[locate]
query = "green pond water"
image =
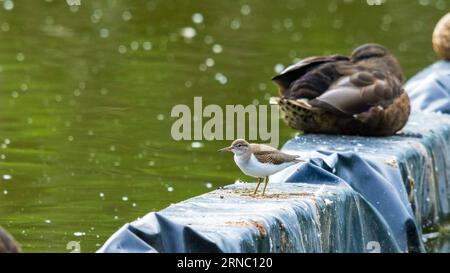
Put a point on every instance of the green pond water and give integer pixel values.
(86, 94)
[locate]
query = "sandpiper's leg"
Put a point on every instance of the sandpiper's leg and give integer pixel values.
(265, 185)
(257, 186)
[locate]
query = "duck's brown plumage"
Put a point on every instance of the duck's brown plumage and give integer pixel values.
(7, 243)
(340, 95)
(441, 37)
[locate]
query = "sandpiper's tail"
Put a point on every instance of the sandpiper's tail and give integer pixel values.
(298, 159)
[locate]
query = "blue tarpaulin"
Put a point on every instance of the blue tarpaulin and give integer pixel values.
(429, 90)
(356, 194)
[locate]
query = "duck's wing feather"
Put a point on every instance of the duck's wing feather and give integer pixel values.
(356, 93)
(295, 71)
(318, 80)
(276, 158)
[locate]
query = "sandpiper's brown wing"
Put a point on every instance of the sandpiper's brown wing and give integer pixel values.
(262, 147)
(359, 92)
(276, 158)
(296, 71)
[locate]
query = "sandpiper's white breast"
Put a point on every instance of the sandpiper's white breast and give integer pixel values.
(252, 167)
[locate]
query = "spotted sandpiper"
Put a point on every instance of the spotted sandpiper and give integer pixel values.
(259, 160)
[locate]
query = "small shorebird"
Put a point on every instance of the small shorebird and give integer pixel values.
(259, 160)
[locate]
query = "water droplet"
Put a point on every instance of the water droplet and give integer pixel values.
(126, 15)
(5, 192)
(124, 198)
(197, 145)
(24, 87)
(188, 32)
(102, 195)
(208, 40)
(245, 10)
(217, 48)
(8, 4)
(7, 141)
(160, 117)
(20, 57)
(221, 78)
(147, 46)
(278, 68)
(235, 24)
(209, 185)
(170, 189)
(134, 204)
(48, 221)
(197, 18)
(79, 233)
(210, 62)
(440, 5)
(122, 49)
(7, 177)
(104, 33)
(96, 16)
(134, 45)
(202, 67)
(5, 27)
(112, 148)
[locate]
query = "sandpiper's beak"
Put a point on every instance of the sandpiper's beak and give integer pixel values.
(226, 149)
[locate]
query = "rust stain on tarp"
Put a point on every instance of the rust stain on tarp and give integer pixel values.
(250, 223)
(246, 192)
(392, 162)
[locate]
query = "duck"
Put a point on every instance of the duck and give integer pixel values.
(7, 243)
(357, 95)
(441, 38)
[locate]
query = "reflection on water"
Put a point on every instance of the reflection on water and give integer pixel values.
(86, 94)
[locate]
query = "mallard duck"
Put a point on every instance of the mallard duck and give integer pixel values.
(441, 38)
(336, 94)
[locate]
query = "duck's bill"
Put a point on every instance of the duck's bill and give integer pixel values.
(226, 149)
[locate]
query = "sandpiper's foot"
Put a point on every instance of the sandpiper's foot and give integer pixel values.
(265, 185)
(257, 186)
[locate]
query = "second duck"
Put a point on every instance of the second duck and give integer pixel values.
(361, 94)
